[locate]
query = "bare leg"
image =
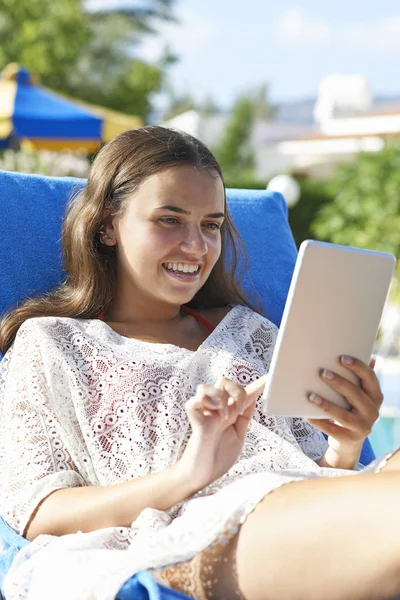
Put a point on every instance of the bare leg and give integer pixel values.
(393, 463)
(323, 538)
(336, 539)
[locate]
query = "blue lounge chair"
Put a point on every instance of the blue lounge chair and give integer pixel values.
(32, 208)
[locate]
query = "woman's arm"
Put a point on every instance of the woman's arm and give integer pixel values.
(43, 489)
(334, 460)
(89, 508)
(219, 417)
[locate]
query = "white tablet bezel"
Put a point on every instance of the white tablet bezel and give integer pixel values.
(334, 306)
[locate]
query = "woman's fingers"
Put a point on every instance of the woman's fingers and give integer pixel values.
(227, 398)
(210, 400)
(256, 388)
(365, 400)
(354, 422)
(341, 434)
(243, 398)
(360, 401)
(368, 379)
(236, 402)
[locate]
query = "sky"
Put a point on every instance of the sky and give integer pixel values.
(227, 47)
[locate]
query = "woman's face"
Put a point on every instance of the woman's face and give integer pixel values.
(169, 239)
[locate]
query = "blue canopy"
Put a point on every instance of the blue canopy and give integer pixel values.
(31, 112)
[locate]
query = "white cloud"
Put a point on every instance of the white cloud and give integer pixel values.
(296, 29)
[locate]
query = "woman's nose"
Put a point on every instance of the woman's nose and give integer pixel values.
(194, 242)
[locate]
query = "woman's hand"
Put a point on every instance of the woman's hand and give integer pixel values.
(219, 416)
(349, 428)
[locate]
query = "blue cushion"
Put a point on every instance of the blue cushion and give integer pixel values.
(143, 587)
(32, 209)
(261, 218)
(10, 544)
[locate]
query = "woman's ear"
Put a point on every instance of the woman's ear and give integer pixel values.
(107, 231)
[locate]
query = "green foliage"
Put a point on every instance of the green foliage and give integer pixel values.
(244, 182)
(314, 196)
(42, 35)
(365, 211)
(263, 109)
(235, 153)
(87, 55)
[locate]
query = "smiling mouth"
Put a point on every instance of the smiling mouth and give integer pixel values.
(182, 275)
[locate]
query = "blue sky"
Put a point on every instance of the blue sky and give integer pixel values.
(227, 47)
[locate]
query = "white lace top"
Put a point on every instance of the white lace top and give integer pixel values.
(82, 405)
(86, 406)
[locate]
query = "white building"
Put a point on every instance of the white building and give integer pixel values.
(346, 124)
(339, 140)
(342, 96)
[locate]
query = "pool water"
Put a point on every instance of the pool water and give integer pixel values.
(385, 435)
(386, 432)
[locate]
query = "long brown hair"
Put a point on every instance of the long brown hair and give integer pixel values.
(117, 171)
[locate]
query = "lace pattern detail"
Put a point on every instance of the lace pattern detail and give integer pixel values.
(83, 405)
(209, 575)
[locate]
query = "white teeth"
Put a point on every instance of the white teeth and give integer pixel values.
(184, 268)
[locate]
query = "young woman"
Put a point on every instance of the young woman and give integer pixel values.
(130, 414)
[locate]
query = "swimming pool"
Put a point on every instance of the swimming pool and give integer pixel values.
(386, 432)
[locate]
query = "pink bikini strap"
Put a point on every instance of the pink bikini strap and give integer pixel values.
(199, 318)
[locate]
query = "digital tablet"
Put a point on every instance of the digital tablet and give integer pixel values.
(334, 306)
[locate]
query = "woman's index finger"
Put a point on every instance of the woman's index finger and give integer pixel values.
(255, 388)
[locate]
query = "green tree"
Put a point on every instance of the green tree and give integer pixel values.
(314, 196)
(44, 36)
(263, 109)
(365, 210)
(89, 55)
(235, 152)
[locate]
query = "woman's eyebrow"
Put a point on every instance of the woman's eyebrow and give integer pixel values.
(182, 211)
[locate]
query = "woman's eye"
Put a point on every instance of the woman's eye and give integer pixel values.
(213, 226)
(169, 220)
(174, 221)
